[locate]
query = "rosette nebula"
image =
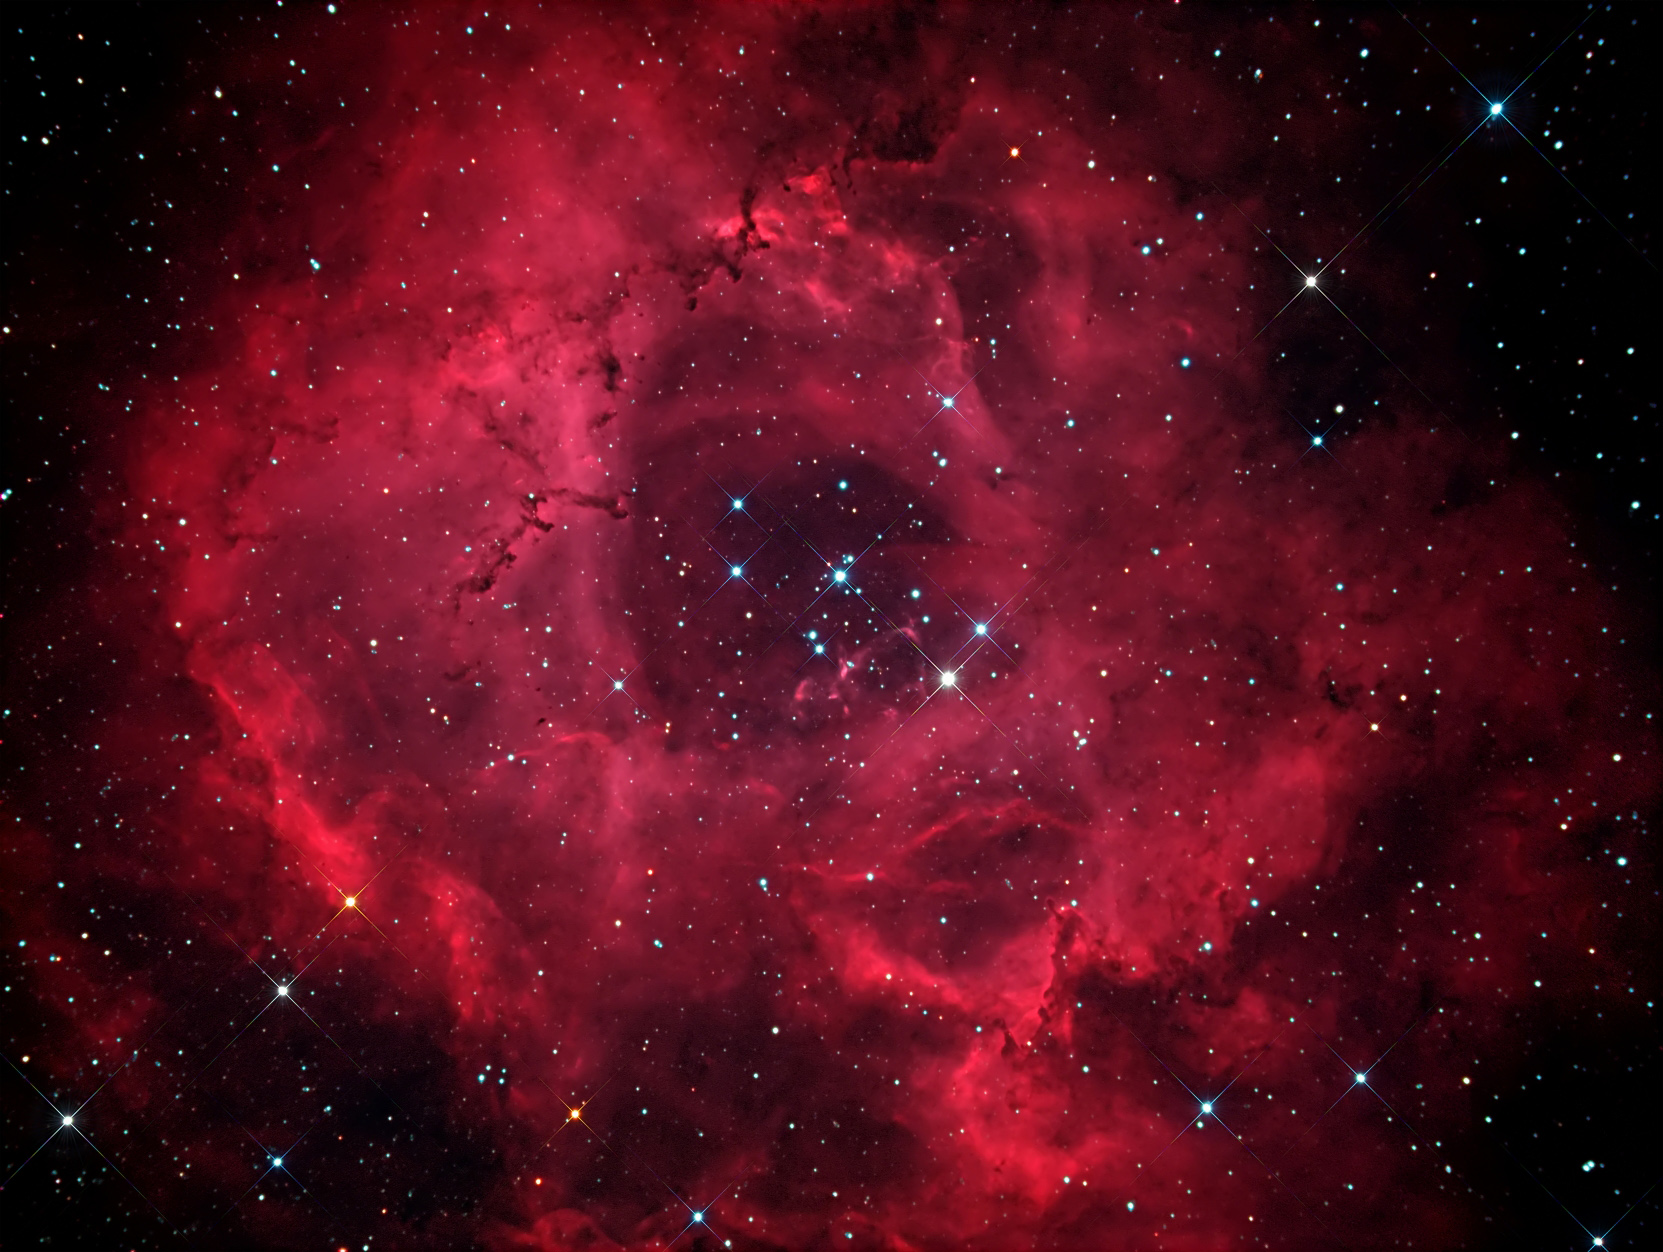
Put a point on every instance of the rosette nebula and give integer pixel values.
(790, 627)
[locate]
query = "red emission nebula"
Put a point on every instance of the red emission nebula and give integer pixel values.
(741, 647)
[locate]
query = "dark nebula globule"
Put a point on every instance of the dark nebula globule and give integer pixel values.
(791, 627)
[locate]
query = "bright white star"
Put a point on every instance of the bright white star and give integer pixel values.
(1495, 111)
(1310, 280)
(69, 1121)
(946, 402)
(1362, 1077)
(1316, 441)
(1207, 1108)
(698, 1217)
(277, 1162)
(617, 684)
(839, 576)
(948, 678)
(282, 990)
(738, 504)
(738, 571)
(981, 628)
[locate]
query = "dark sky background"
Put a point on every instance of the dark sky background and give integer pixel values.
(807, 627)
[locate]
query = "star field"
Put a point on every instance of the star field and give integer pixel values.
(830, 627)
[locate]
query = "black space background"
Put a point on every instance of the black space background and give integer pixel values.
(87, 301)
